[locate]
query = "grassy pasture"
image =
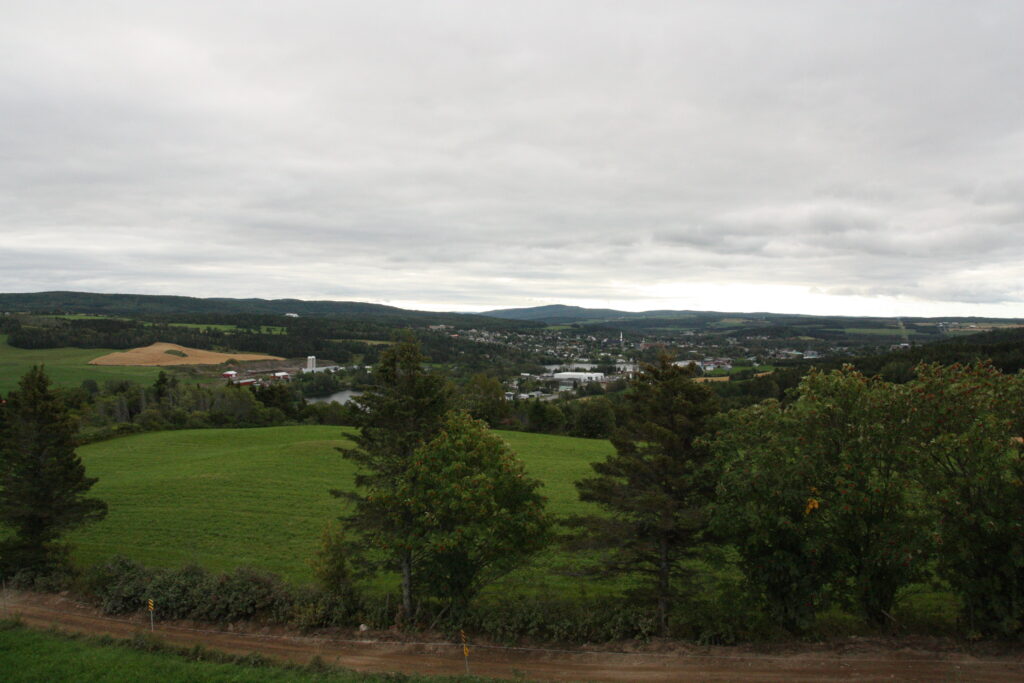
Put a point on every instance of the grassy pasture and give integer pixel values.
(264, 329)
(879, 331)
(66, 366)
(369, 342)
(223, 498)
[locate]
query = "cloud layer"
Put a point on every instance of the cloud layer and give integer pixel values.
(797, 156)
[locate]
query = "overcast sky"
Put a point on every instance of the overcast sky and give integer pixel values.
(851, 157)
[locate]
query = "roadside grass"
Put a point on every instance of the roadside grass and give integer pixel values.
(28, 655)
(67, 367)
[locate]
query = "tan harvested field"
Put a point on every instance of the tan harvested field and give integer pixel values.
(157, 354)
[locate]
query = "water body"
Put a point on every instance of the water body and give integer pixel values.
(341, 397)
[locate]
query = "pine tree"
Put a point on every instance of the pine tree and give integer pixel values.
(401, 412)
(657, 487)
(42, 480)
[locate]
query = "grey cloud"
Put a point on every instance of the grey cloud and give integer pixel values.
(517, 152)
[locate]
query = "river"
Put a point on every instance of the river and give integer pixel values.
(341, 397)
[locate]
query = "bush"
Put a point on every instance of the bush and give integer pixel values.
(122, 586)
(181, 593)
(571, 621)
(247, 594)
(316, 609)
(119, 586)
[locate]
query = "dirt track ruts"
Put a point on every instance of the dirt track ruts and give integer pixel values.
(849, 661)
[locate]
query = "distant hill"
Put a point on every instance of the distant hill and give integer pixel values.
(160, 305)
(557, 313)
(740, 323)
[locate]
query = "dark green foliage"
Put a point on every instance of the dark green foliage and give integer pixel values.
(545, 417)
(657, 486)
(593, 418)
(43, 485)
(475, 514)
(280, 395)
(859, 487)
(972, 417)
(121, 586)
(397, 415)
(484, 398)
(332, 565)
(821, 494)
(554, 619)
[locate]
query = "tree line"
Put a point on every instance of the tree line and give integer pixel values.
(848, 493)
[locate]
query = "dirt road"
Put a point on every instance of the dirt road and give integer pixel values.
(851, 660)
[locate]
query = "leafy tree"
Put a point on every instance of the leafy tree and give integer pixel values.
(42, 480)
(971, 420)
(281, 396)
(823, 491)
(484, 398)
(474, 513)
(593, 418)
(544, 416)
(656, 487)
(401, 412)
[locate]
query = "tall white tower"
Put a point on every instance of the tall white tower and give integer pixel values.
(310, 363)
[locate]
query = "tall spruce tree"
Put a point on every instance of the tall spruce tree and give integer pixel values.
(656, 488)
(42, 480)
(401, 412)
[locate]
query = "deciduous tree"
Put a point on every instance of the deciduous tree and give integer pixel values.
(465, 510)
(823, 493)
(971, 420)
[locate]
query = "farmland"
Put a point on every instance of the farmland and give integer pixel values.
(160, 354)
(65, 366)
(223, 498)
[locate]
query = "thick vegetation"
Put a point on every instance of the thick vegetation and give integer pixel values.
(845, 496)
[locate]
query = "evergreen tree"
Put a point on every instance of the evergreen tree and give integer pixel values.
(396, 416)
(42, 480)
(656, 488)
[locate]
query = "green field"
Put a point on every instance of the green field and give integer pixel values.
(34, 656)
(736, 369)
(879, 331)
(264, 329)
(65, 366)
(223, 498)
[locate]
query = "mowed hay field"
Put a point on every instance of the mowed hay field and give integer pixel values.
(67, 367)
(162, 353)
(223, 498)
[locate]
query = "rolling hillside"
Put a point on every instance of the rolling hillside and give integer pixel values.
(223, 498)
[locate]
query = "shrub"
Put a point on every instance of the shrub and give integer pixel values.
(119, 585)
